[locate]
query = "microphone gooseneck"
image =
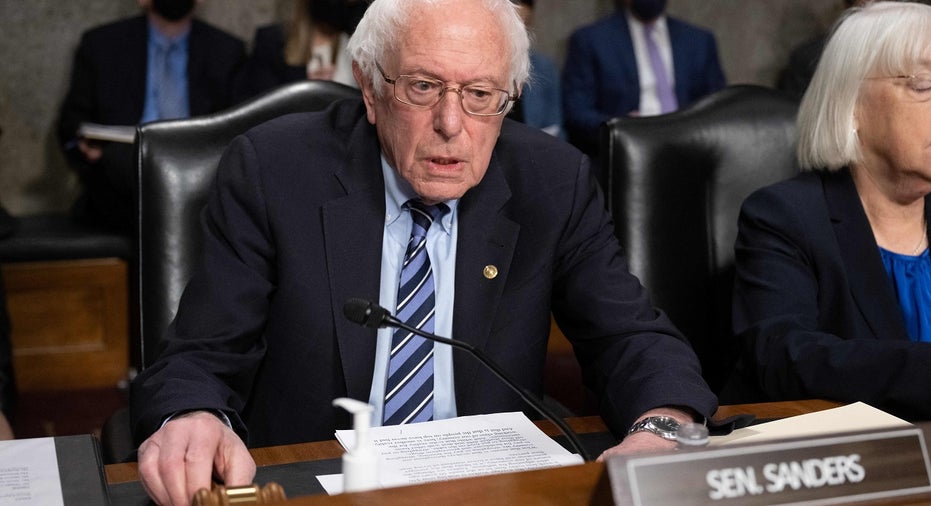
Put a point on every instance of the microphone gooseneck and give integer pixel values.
(369, 314)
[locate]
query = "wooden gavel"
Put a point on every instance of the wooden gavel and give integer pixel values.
(219, 495)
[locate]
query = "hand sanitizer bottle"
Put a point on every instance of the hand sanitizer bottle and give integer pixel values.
(360, 464)
(692, 435)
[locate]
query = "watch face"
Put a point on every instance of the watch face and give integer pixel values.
(665, 424)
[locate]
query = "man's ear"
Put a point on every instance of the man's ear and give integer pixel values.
(368, 91)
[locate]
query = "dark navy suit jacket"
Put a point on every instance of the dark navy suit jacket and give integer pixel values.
(814, 306)
(600, 78)
(294, 227)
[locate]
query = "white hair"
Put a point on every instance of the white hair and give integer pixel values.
(379, 34)
(881, 39)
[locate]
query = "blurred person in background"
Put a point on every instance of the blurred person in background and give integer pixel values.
(310, 45)
(636, 62)
(795, 77)
(540, 103)
(163, 64)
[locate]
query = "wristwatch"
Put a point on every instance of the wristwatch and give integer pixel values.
(663, 426)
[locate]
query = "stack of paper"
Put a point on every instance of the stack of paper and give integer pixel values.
(110, 133)
(853, 417)
(457, 448)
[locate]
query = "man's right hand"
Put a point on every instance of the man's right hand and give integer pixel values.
(92, 152)
(180, 458)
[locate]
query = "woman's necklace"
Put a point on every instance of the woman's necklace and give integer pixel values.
(924, 236)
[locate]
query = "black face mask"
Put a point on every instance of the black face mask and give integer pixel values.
(172, 10)
(647, 10)
(333, 13)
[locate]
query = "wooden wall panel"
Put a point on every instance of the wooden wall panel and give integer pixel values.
(70, 323)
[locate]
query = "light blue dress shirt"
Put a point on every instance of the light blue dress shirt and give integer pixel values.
(178, 62)
(441, 248)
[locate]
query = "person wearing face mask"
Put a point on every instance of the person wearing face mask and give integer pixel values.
(636, 62)
(163, 64)
(310, 45)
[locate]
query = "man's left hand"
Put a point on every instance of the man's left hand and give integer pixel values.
(647, 442)
(639, 442)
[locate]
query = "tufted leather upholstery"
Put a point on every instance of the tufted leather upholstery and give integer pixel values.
(176, 163)
(674, 185)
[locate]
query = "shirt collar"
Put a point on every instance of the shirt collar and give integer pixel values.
(161, 40)
(398, 191)
(659, 24)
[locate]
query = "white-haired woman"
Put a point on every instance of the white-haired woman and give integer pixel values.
(833, 291)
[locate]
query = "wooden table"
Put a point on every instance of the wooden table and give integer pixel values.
(575, 485)
(581, 484)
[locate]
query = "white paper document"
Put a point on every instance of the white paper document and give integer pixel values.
(111, 133)
(857, 416)
(29, 472)
(457, 448)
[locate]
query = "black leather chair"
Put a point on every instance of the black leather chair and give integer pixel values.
(675, 183)
(176, 163)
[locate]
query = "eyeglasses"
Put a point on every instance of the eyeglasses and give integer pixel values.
(919, 85)
(420, 91)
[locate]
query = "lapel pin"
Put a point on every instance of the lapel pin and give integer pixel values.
(490, 272)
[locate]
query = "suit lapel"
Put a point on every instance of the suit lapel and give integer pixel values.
(353, 227)
(679, 45)
(199, 99)
(138, 46)
(869, 283)
(487, 239)
(353, 230)
(626, 55)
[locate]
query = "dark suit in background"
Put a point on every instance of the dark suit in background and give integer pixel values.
(294, 228)
(108, 86)
(803, 60)
(814, 306)
(600, 78)
(266, 68)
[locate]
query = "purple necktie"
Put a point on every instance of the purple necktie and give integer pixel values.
(667, 99)
(409, 389)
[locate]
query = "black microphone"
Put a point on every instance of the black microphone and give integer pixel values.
(369, 314)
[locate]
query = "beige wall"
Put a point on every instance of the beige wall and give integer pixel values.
(39, 37)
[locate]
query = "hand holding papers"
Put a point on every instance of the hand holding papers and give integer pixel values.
(458, 448)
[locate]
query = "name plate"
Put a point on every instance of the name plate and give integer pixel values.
(825, 470)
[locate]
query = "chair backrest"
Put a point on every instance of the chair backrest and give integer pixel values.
(675, 184)
(176, 163)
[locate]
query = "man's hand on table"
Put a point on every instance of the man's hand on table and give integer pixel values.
(647, 442)
(181, 457)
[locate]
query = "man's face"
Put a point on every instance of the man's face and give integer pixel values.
(442, 151)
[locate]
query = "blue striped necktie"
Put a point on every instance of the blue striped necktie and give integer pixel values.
(409, 389)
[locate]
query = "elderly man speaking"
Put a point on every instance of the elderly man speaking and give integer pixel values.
(423, 197)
